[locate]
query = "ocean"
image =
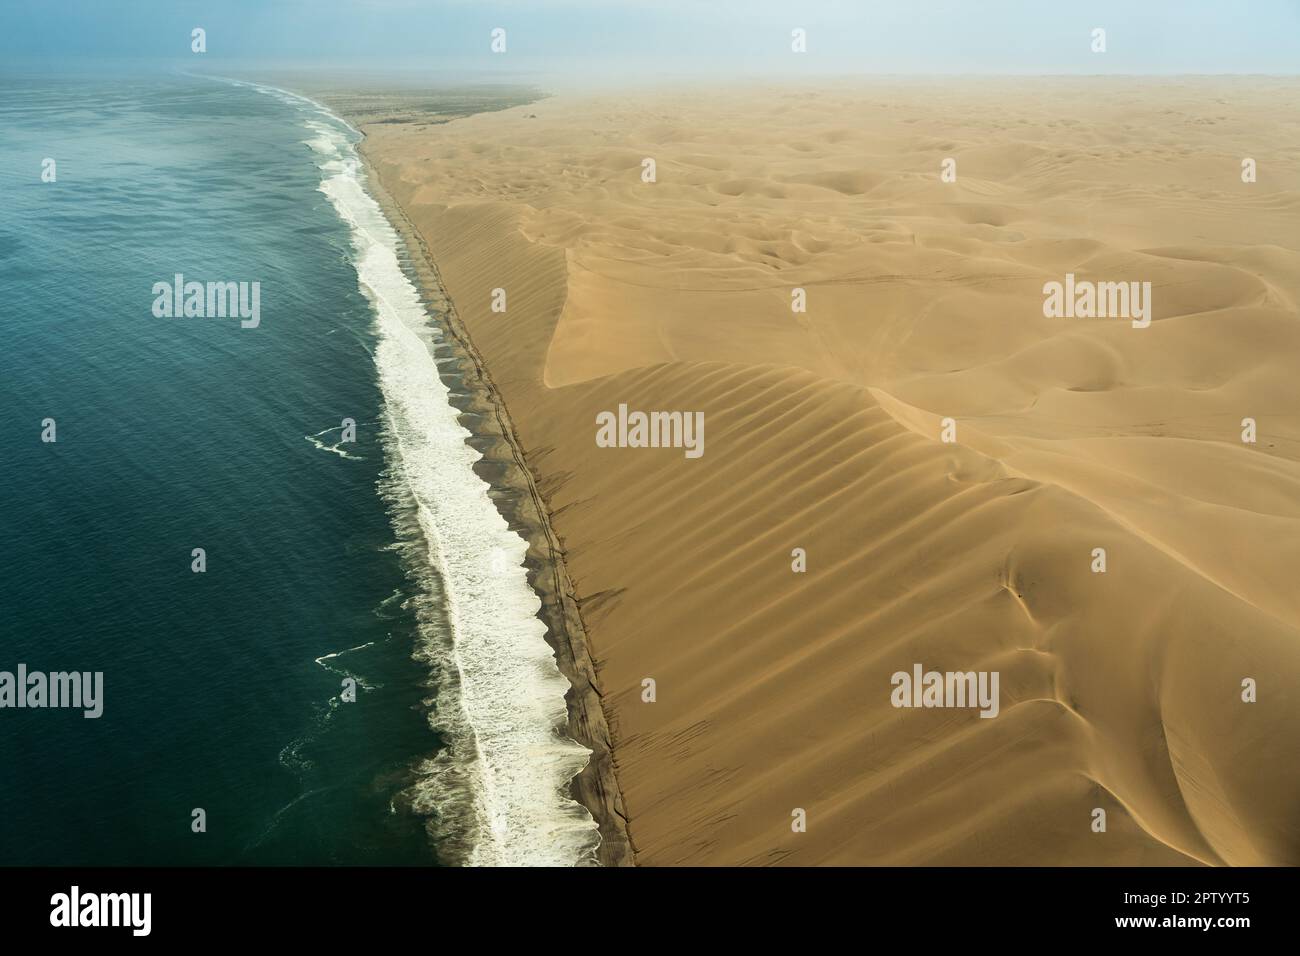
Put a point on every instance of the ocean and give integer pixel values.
(376, 569)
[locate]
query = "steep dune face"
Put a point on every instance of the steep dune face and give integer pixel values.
(1120, 690)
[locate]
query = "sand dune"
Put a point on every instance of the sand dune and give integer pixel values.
(1120, 691)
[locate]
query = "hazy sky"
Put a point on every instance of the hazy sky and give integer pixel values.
(677, 36)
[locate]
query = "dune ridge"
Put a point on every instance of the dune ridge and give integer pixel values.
(1120, 691)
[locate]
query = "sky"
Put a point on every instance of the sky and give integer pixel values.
(613, 37)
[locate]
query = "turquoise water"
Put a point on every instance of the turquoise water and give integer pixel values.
(175, 434)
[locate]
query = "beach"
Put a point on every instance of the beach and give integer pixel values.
(969, 481)
(516, 496)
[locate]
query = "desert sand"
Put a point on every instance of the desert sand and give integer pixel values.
(1120, 691)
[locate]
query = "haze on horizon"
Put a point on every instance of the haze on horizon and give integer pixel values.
(586, 39)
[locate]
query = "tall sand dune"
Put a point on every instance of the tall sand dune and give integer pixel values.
(1120, 691)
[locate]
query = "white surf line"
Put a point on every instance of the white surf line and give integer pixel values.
(361, 681)
(511, 704)
(335, 448)
(346, 650)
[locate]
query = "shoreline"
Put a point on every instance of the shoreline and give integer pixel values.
(513, 490)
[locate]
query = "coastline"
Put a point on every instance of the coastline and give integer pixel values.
(514, 491)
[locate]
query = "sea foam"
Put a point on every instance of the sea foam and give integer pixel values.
(504, 781)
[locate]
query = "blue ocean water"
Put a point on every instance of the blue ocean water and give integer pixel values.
(175, 434)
